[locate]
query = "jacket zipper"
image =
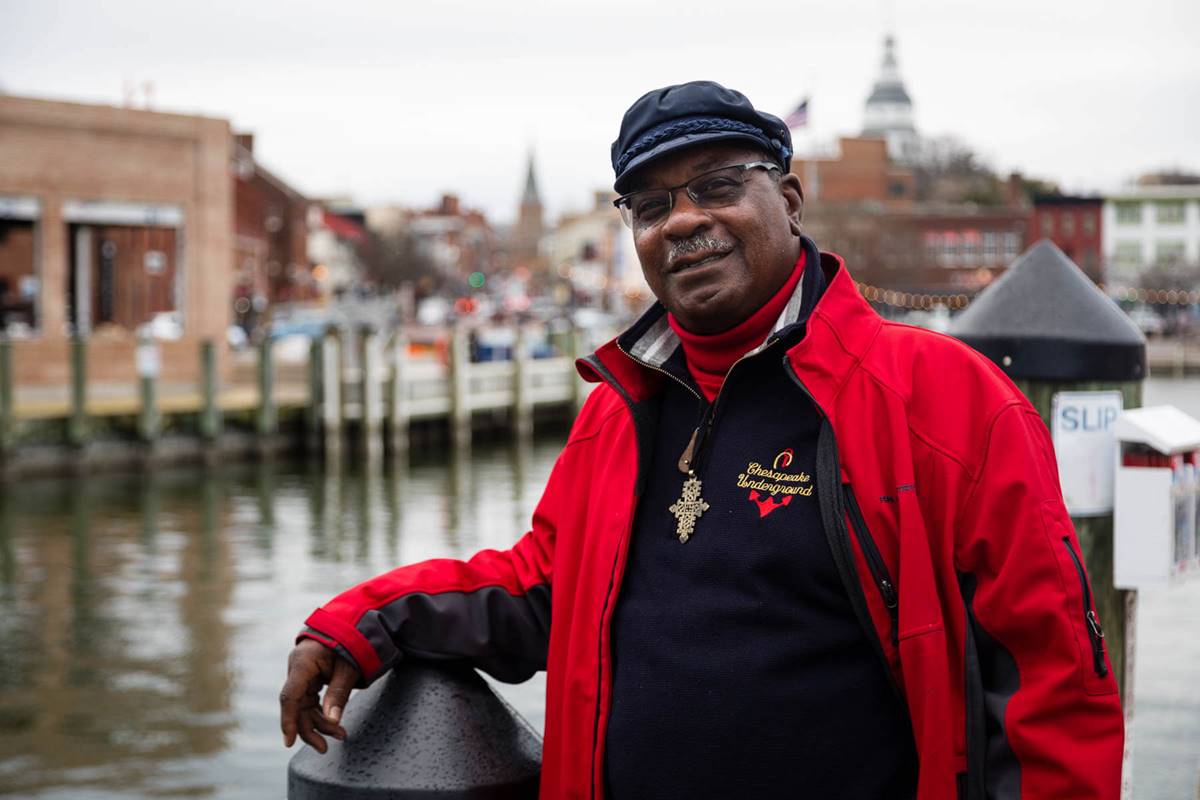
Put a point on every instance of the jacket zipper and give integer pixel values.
(603, 667)
(843, 556)
(708, 419)
(1094, 631)
(879, 570)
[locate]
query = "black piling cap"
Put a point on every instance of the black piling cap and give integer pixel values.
(424, 732)
(1043, 319)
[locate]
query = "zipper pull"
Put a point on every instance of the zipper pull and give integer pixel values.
(689, 452)
(889, 594)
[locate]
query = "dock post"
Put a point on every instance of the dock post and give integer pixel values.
(6, 394)
(148, 368)
(331, 395)
(1048, 327)
(268, 421)
(522, 401)
(371, 394)
(312, 410)
(210, 410)
(579, 387)
(460, 397)
(399, 399)
(442, 732)
(77, 427)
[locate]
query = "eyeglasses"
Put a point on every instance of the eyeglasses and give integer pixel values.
(720, 187)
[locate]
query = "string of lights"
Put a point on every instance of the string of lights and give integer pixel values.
(955, 302)
(898, 299)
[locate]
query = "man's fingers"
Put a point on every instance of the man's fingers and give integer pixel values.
(341, 683)
(291, 710)
(306, 662)
(307, 721)
(328, 726)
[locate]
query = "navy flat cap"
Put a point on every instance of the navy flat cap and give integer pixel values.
(666, 119)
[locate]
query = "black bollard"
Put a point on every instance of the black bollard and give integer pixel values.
(424, 731)
(1052, 330)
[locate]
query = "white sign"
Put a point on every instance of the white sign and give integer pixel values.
(149, 363)
(1082, 427)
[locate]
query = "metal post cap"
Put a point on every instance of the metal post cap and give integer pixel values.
(425, 732)
(1044, 319)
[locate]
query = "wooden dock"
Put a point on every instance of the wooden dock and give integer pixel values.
(370, 384)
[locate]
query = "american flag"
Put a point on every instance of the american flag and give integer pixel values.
(799, 117)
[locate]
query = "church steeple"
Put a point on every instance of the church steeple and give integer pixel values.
(889, 110)
(528, 232)
(530, 195)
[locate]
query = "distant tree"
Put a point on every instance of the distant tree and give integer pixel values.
(1171, 275)
(395, 258)
(1169, 177)
(948, 171)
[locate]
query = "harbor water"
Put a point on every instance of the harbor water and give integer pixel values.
(145, 619)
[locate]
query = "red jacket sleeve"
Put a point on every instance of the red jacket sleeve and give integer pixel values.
(492, 609)
(1051, 714)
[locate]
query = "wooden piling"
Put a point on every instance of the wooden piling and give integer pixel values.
(371, 394)
(6, 394)
(460, 398)
(210, 412)
(579, 386)
(331, 395)
(398, 410)
(522, 400)
(312, 411)
(148, 369)
(77, 423)
(268, 421)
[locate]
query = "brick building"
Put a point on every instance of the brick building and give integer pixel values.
(111, 218)
(862, 205)
(270, 237)
(1074, 224)
(929, 249)
(861, 172)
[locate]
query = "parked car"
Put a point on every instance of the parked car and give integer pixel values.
(1148, 321)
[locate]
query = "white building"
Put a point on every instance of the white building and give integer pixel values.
(1145, 226)
(594, 250)
(889, 110)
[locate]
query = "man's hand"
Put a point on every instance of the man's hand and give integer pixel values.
(311, 665)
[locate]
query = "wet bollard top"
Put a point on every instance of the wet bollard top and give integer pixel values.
(424, 732)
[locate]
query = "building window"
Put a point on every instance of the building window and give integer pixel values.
(1169, 212)
(1012, 246)
(20, 288)
(991, 249)
(1169, 252)
(1068, 224)
(125, 265)
(971, 248)
(1089, 224)
(1129, 212)
(1128, 253)
(1047, 224)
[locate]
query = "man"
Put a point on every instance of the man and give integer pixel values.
(789, 549)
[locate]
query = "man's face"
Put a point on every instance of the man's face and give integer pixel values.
(714, 267)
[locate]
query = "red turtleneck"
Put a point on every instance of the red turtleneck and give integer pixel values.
(710, 357)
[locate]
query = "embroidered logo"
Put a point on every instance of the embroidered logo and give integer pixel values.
(774, 487)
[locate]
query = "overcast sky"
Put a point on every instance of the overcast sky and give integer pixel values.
(398, 102)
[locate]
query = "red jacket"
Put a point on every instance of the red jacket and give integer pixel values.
(973, 581)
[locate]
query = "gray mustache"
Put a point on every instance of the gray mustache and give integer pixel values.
(696, 244)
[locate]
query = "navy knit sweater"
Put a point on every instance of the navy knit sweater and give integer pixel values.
(739, 667)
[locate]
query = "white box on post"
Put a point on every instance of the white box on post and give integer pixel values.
(1155, 497)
